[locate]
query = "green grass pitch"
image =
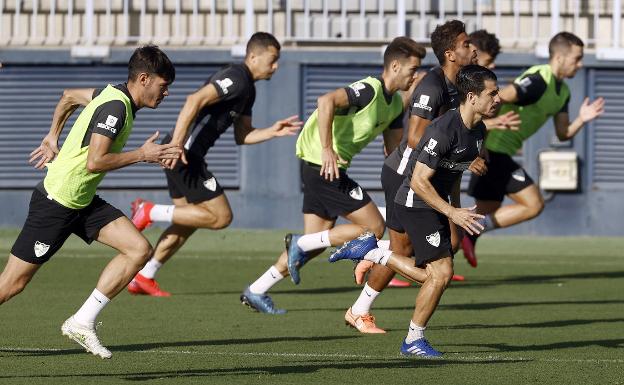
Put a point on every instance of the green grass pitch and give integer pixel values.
(535, 311)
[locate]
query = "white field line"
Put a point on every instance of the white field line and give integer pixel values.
(448, 356)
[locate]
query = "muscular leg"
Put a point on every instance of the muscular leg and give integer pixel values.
(528, 203)
(134, 251)
(438, 276)
(15, 277)
(213, 214)
(380, 275)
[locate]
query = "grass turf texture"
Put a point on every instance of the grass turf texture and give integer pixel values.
(536, 310)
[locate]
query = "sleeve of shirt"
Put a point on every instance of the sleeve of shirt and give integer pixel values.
(529, 89)
(230, 84)
(249, 106)
(435, 145)
(397, 122)
(564, 108)
(109, 118)
(360, 94)
(427, 100)
(97, 92)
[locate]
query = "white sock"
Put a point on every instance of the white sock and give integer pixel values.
(151, 268)
(379, 256)
(314, 241)
(91, 308)
(383, 244)
(414, 333)
(162, 213)
(266, 281)
(365, 301)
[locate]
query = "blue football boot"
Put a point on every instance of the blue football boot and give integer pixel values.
(355, 249)
(296, 257)
(260, 302)
(419, 348)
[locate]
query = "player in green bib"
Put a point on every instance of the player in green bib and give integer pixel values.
(537, 95)
(346, 120)
(66, 203)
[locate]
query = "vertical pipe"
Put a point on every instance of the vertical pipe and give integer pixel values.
(400, 17)
(480, 14)
(249, 19)
(288, 19)
(362, 19)
(213, 19)
(380, 19)
(33, 17)
(596, 21)
(497, 11)
(554, 17)
(230, 19)
(423, 21)
(178, 21)
(270, 16)
(516, 34)
(306, 19)
(343, 18)
(325, 19)
(534, 6)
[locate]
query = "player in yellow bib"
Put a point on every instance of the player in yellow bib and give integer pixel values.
(66, 201)
(537, 95)
(347, 119)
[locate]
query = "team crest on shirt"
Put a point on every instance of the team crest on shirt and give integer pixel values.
(357, 193)
(524, 82)
(41, 248)
(519, 175)
(434, 239)
(211, 184)
(224, 84)
(430, 146)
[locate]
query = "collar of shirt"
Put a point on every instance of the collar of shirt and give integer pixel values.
(123, 87)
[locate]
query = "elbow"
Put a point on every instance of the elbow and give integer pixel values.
(93, 166)
(239, 140)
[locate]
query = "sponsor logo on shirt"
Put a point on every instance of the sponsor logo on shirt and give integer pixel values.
(430, 146)
(423, 103)
(109, 125)
(224, 84)
(356, 87)
(41, 248)
(524, 82)
(434, 239)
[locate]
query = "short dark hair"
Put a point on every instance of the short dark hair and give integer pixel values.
(471, 78)
(444, 36)
(403, 47)
(262, 40)
(486, 42)
(563, 40)
(150, 59)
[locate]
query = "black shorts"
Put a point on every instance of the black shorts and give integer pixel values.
(49, 224)
(390, 182)
(504, 176)
(429, 232)
(193, 181)
(329, 200)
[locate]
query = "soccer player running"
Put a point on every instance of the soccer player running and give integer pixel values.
(536, 95)
(429, 197)
(198, 199)
(487, 47)
(66, 201)
(433, 96)
(346, 120)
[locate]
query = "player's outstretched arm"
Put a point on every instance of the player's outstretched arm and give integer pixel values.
(245, 133)
(99, 159)
(587, 112)
(507, 121)
(464, 217)
(70, 100)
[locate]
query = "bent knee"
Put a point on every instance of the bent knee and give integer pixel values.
(535, 209)
(141, 252)
(223, 221)
(378, 229)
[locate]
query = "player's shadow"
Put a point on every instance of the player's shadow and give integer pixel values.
(496, 305)
(173, 344)
(308, 367)
(533, 279)
(489, 348)
(547, 324)
(320, 290)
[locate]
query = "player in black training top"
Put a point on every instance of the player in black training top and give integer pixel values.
(198, 199)
(429, 197)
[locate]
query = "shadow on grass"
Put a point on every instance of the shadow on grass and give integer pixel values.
(548, 324)
(613, 344)
(160, 345)
(307, 368)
